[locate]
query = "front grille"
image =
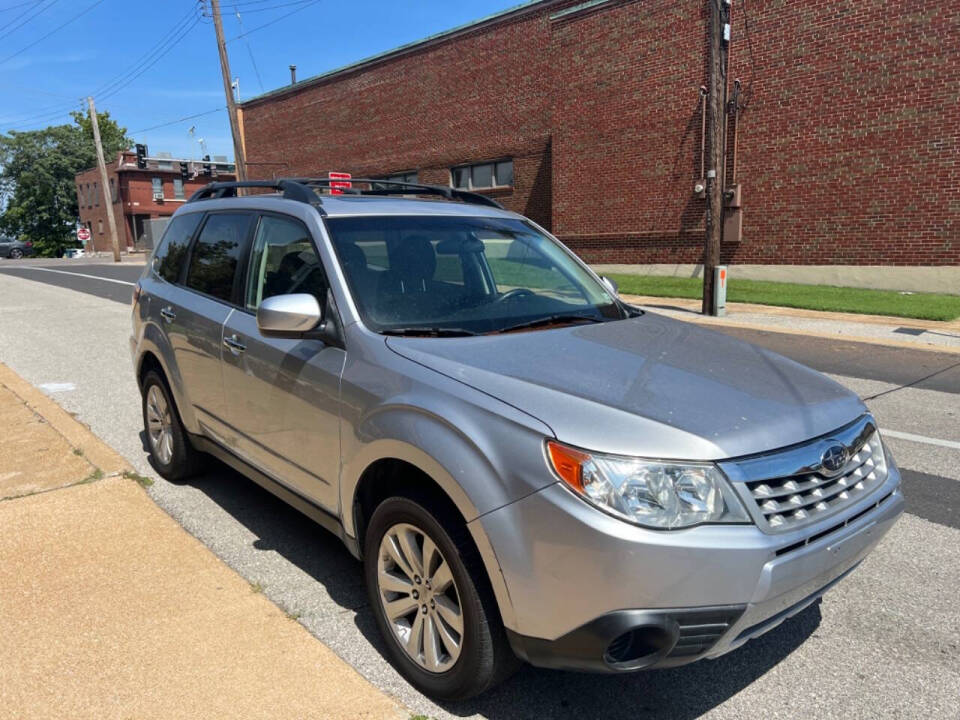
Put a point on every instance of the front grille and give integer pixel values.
(700, 630)
(792, 489)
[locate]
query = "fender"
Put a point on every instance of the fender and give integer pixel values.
(477, 479)
(153, 340)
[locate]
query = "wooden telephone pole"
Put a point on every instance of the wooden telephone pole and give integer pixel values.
(716, 120)
(105, 183)
(238, 153)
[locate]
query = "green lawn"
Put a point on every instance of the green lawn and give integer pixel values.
(926, 306)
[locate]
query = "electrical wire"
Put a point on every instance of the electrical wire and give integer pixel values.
(178, 120)
(18, 5)
(275, 20)
(39, 7)
(56, 29)
(747, 92)
(246, 42)
(167, 42)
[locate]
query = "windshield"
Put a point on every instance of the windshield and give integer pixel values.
(441, 275)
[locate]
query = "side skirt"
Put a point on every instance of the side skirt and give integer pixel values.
(325, 519)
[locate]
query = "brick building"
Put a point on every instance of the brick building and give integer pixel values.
(141, 199)
(847, 152)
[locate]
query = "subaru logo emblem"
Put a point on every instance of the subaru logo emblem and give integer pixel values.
(834, 459)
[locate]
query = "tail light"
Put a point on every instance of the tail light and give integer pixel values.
(28, 243)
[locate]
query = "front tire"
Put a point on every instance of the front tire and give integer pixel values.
(171, 453)
(433, 603)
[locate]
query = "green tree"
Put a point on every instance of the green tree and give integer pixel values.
(37, 170)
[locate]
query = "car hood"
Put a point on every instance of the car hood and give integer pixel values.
(649, 386)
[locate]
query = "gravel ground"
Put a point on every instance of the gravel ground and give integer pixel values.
(884, 643)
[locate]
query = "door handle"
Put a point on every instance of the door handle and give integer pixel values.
(168, 314)
(233, 342)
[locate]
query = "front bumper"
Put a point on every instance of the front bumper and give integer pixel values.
(591, 592)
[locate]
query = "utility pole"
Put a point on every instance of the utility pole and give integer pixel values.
(105, 183)
(228, 91)
(716, 121)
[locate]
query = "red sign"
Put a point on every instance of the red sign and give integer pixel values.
(83, 234)
(339, 181)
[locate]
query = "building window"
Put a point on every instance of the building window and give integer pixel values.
(96, 195)
(483, 175)
(100, 227)
(406, 177)
(157, 188)
(178, 188)
(113, 191)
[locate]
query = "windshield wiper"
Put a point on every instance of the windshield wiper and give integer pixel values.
(550, 320)
(428, 332)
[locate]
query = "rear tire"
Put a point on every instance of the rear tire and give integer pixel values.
(16, 254)
(171, 453)
(450, 591)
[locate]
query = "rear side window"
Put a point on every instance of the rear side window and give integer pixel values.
(216, 255)
(172, 251)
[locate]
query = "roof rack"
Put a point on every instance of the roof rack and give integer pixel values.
(303, 190)
(291, 190)
(397, 187)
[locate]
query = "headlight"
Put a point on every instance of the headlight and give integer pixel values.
(651, 493)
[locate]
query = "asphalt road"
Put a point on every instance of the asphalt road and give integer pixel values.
(883, 643)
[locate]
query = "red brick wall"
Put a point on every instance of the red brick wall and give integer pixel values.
(849, 150)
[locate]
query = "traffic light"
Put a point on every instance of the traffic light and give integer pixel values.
(207, 169)
(141, 156)
(184, 171)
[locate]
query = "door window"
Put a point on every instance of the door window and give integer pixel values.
(283, 261)
(216, 255)
(172, 251)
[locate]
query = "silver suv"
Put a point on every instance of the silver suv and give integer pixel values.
(529, 468)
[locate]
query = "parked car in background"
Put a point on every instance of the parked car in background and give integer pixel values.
(528, 467)
(15, 249)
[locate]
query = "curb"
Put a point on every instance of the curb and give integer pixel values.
(78, 435)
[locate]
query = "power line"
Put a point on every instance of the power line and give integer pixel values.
(249, 49)
(40, 8)
(18, 5)
(275, 20)
(56, 29)
(178, 120)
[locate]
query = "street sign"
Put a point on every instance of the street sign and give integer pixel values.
(339, 181)
(83, 235)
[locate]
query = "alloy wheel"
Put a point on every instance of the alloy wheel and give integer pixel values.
(16, 254)
(420, 598)
(159, 425)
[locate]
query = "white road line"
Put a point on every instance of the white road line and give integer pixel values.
(921, 439)
(76, 274)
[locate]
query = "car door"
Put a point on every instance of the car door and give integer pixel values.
(196, 315)
(5, 244)
(283, 394)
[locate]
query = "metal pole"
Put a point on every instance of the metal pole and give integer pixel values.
(105, 184)
(228, 91)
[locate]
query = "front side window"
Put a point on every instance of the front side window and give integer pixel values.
(283, 261)
(216, 255)
(437, 274)
(172, 251)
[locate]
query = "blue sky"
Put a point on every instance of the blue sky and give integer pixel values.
(55, 52)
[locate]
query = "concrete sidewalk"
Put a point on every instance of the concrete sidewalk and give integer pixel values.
(109, 609)
(877, 329)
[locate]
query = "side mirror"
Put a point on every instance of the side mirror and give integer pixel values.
(292, 314)
(611, 285)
